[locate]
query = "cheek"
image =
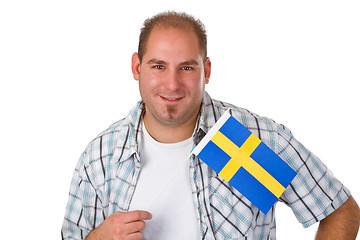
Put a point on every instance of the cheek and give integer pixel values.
(148, 87)
(196, 85)
(150, 80)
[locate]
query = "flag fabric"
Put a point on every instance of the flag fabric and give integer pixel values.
(245, 162)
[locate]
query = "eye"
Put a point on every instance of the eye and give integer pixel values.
(158, 67)
(187, 68)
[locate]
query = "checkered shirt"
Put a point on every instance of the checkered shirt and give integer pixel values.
(106, 175)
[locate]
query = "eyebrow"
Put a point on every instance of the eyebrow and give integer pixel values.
(155, 61)
(158, 61)
(190, 62)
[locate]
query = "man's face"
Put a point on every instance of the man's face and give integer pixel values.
(172, 76)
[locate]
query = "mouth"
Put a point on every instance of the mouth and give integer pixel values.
(171, 99)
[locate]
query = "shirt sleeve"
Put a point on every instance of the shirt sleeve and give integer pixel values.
(315, 192)
(83, 205)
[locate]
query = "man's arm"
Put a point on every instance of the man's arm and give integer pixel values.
(342, 224)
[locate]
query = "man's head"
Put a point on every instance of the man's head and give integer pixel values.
(173, 20)
(172, 74)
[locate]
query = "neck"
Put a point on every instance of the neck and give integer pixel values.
(169, 134)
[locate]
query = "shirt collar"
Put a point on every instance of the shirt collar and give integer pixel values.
(208, 116)
(134, 119)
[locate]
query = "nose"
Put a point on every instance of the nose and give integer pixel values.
(172, 80)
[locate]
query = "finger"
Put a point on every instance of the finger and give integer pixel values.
(136, 226)
(135, 236)
(136, 216)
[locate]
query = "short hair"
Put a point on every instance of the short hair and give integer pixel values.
(173, 19)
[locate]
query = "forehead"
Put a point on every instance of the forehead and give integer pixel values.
(172, 41)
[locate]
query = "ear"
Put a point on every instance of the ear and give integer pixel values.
(207, 70)
(135, 66)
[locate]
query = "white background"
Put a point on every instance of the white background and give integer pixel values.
(65, 76)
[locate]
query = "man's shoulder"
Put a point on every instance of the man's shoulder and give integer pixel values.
(111, 131)
(116, 134)
(248, 118)
(109, 147)
(263, 127)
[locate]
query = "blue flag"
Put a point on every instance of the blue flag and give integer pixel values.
(245, 162)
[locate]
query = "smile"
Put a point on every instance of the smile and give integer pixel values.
(171, 99)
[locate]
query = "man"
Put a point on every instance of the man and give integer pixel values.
(136, 179)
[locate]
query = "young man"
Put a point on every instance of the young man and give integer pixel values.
(136, 179)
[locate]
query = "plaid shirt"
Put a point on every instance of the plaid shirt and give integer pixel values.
(106, 175)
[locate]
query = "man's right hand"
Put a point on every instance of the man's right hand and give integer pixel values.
(121, 226)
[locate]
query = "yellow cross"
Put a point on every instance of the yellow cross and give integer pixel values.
(240, 157)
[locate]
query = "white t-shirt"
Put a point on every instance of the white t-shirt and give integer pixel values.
(164, 190)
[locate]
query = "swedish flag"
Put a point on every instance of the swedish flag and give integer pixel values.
(245, 162)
